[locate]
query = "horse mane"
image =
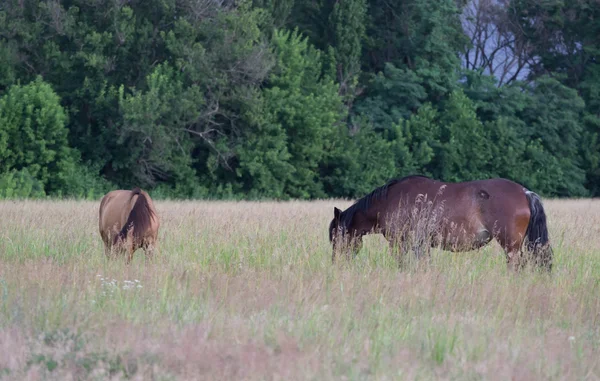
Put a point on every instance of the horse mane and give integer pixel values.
(365, 202)
(140, 218)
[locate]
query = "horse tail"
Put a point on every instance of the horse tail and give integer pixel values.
(538, 242)
(140, 218)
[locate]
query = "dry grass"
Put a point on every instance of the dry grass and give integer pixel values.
(248, 291)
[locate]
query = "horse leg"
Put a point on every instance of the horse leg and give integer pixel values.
(395, 250)
(514, 258)
(355, 246)
(130, 251)
(130, 248)
(416, 242)
(107, 243)
(107, 251)
(421, 250)
(149, 250)
(343, 249)
(396, 244)
(150, 253)
(400, 247)
(512, 246)
(511, 238)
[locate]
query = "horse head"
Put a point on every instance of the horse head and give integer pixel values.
(343, 236)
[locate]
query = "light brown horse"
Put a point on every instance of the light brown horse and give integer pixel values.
(419, 213)
(128, 221)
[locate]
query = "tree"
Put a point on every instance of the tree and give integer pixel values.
(449, 144)
(495, 47)
(564, 37)
(417, 142)
(279, 11)
(421, 36)
(392, 95)
(264, 158)
(413, 49)
(33, 136)
(307, 106)
(300, 98)
(153, 141)
(348, 23)
(464, 152)
(357, 161)
(554, 117)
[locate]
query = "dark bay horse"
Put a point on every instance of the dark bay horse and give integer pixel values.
(128, 221)
(419, 212)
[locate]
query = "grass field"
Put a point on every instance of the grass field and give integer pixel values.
(247, 291)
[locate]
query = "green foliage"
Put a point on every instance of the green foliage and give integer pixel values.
(8, 61)
(348, 23)
(83, 181)
(290, 99)
(20, 184)
(153, 138)
(278, 10)
(356, 163)
(554, 118)
(33, 135)
(464, 145)
(393, 94)
(542, 125)
(264, 159)
(422, 36)
(563, 40)
(590, 152)
(417, 140)
(450, 144)
(305, 106)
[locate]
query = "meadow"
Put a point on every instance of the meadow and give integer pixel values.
(247, 291)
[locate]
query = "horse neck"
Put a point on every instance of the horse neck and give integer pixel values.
(363, 221)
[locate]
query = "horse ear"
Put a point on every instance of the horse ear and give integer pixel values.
(336, 212)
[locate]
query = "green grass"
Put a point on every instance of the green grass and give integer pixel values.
(247, 291)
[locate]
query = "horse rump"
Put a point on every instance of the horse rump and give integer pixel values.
(139, 220)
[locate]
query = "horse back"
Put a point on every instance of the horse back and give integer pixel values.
(487, 201)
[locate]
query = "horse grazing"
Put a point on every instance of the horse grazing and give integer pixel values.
(127, 222)
(420, 213)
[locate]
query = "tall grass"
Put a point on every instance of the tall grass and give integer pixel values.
(243, 290)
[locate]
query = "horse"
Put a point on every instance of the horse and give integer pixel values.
(455, 216)
(128, 221)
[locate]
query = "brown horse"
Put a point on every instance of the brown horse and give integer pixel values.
(419, 213)
(128, 221)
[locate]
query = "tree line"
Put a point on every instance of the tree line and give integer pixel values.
(296, 98)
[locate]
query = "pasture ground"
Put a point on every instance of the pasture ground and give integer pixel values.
(247, 291)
